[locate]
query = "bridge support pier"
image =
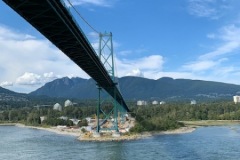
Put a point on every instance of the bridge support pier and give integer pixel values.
(98, 109)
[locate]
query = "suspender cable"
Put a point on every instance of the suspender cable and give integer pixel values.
(82, 17)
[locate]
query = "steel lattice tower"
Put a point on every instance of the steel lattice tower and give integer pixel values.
(106, 56)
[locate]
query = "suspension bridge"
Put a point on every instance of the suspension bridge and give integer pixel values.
(53, 19)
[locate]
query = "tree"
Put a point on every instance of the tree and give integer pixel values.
(83, 123)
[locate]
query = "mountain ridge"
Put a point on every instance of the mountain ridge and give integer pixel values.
(134, 88)
(8, 95)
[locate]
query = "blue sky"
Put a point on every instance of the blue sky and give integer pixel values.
(191, 39)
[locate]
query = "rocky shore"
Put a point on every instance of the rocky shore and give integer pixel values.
(126, 137)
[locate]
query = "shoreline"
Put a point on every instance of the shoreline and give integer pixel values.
(182, 130)
(202, 123)
(190, 126)
(70, 132)
(76, 133)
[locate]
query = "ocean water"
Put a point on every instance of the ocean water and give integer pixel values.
(206, 143)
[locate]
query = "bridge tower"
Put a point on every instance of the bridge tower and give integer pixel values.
(106, 56)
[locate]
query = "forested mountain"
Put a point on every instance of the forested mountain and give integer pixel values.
(7, 95)
(6, 91)
(135, 88)
(69, 88)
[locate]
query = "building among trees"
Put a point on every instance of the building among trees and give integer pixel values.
(193, 102)
(141, 103)
(154, 102)
(68, 103)
(57, 106)
(162, 102)
(236, 99)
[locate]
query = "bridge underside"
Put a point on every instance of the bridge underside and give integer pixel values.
(52, 19)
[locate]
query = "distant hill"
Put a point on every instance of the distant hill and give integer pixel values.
(68, 88)
(135, 88)
(6, 91)
(7, 95)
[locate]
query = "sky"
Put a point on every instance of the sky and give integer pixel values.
(182, 39)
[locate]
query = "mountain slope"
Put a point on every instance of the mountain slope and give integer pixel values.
(6, 91)
(140, 88)
(69, 88)
(7, 95)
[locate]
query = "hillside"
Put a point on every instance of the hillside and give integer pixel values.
(7, 95)
(69, 88)
(134, 88)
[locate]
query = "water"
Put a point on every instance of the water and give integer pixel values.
(206, 143)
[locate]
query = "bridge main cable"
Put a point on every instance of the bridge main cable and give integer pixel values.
(52, 19)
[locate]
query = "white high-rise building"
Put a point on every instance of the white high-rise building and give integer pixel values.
(236, 99)
(193, 102)
(154, 102)
(141, 103)
(162, 102)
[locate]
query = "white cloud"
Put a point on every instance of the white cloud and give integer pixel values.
(34, 57)
(135, 73)
(21, 53)
(150, 67)
(212, 9)
(6, 84)
(47, 77)
(214, 65)
(29, 79)
(202, 65)
(154, 62)
(145, 65)
(33, 79)
(224, 49)
(199, 65)
(6, 34)
(202, 8)
(230, 33)
(231, 42)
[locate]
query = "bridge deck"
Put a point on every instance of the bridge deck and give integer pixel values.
(52, 19)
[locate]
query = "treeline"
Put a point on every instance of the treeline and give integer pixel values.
(31, 116)
(167, 116)
(148, 118)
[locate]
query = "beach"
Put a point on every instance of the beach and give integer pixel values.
(210, 123)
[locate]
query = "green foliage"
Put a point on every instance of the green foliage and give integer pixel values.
(71, 111)
(138, 128)
(57, 121)
(83, 123)
(165, 117)
(83, 130)
(33, 119)
(149, 118)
